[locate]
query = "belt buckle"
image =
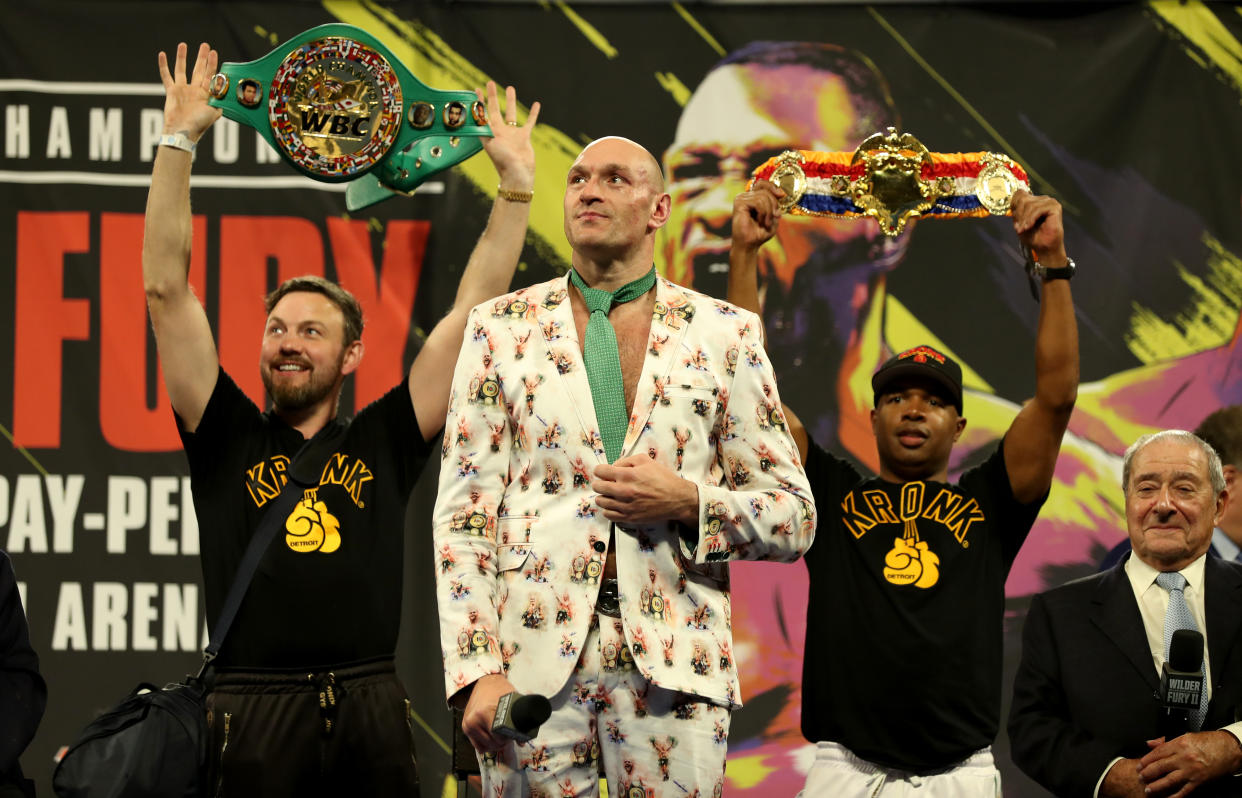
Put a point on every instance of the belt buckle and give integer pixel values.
(609, 600)
(893, 178)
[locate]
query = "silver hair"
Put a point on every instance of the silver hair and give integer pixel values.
(1216, 474)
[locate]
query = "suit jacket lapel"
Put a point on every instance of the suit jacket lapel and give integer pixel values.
(1222, 594)
(1115, 612)
(670, 319)
(556, 324)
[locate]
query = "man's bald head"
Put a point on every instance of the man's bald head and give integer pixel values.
(646, 164)
(614, 203)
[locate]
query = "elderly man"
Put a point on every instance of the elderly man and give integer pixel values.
(615, 440)
(1222, 430)
(1087, 718)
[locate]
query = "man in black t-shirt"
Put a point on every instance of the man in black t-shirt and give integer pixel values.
(304, 697)
(902, 667)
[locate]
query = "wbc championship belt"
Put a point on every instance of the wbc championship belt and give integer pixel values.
(339, 106)
(892, 178)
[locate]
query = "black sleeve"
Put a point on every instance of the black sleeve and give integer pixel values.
(829, 475)
(390, 422)
(23, 693)
(229, 415)
(1015, 519)
(830, 478)
(1044, 740)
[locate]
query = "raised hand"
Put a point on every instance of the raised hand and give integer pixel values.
(185, 100)
(756, 214)
(1037, 221)
(509, 146)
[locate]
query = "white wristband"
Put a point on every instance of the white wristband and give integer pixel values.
(178, 141)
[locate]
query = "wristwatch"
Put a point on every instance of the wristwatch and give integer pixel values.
(1041, 272)
(1037, 273)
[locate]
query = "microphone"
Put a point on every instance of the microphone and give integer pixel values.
(1181, 682)
(519, 717)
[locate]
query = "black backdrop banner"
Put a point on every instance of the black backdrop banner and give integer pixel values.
(1129, 114)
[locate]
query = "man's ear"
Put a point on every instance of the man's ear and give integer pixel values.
(353, 357)
(660, 213)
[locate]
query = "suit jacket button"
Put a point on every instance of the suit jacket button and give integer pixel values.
(600, 546)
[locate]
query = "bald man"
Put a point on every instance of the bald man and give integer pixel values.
(614, 442)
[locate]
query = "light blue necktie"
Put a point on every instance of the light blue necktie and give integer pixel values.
(1179, 617)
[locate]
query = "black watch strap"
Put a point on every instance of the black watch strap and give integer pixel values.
(1037, 273)
(1063, 273)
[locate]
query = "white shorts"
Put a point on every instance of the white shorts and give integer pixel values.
(838, 773)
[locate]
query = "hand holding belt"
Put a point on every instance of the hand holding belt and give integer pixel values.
(893, 178)
(339, 106)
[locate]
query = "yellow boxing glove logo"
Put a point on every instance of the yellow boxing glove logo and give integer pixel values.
(910, 562)
(311, 527)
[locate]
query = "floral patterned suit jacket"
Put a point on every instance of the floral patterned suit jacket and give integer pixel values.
(520, 542)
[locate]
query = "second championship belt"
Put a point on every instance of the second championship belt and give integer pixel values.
(339, 106)
(893, 178)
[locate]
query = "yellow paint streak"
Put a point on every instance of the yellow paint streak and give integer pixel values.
(903, 331)
(436, 64)
(698, 28)
(1209, 320)
(1043, 185)
(588, 30)
(22, 450)
(671, 84)
(744, 772)
(1201, 28)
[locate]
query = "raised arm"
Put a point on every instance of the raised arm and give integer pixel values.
(492, 263)
(182, 334)
(756, 215)
(1034, 437)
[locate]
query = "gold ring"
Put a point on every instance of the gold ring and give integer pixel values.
(512, 124)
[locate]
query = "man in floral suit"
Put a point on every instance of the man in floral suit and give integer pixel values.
(613, 442)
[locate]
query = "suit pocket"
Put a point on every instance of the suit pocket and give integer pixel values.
(512, 557)
(694, 386)
(514, 531)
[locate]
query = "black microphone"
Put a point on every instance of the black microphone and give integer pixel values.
(1181, 682)
(519, 717)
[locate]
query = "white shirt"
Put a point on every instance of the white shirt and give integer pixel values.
(1153, 605)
